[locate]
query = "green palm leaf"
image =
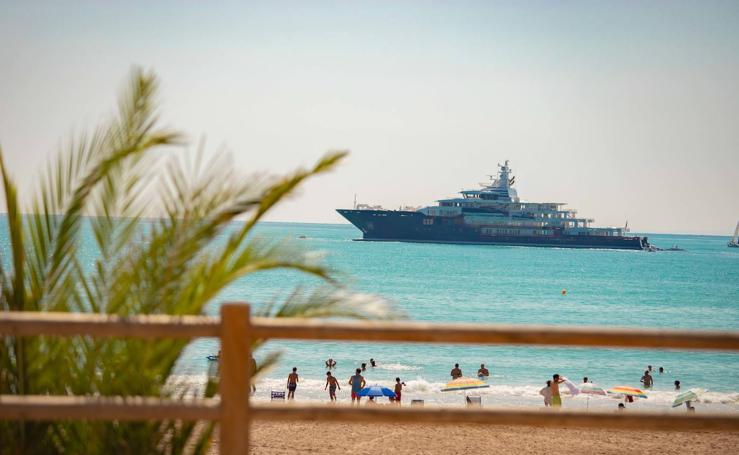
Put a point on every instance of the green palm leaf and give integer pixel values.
(105, 184)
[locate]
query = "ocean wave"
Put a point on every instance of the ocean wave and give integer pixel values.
(397, 367)
(420, 388)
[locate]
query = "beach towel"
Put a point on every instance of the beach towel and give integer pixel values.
(571, 387)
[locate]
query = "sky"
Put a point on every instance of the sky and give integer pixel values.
(624, 110)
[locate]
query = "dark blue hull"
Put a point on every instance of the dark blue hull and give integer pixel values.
(402, 226)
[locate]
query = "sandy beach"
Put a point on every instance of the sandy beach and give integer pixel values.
(357, 439)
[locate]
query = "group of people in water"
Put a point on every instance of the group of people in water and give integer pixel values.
(482, 373)
(356, 381)
(648, 380)
(552, 397)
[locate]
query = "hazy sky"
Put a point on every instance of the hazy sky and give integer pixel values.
(624, 110)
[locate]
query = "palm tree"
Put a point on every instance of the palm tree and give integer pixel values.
(103, 187)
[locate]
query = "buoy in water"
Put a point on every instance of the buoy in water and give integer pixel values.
(564, 291)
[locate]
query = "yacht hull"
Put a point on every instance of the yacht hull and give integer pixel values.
(406, 226)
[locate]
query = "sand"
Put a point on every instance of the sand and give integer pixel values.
(318, 438)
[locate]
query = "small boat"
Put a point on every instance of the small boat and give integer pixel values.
(674, 248)
(734, 242)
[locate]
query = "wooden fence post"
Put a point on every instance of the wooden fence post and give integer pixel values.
(235, 378)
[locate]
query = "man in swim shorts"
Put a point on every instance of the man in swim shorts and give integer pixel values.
(554, 386)
(292, 384)
(332, 384)
(357, 382)
(456, 372)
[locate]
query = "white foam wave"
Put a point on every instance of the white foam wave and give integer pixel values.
(397, 367)
(505, 395)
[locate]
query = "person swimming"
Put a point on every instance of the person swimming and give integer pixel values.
(677, 385)
(330, 363)
(373, 363)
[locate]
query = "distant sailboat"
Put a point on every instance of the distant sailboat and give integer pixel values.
(734, 243)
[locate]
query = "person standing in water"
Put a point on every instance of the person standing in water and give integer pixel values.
(357, 382)
(546, 392)
(456, 372)
(554, 386)
(483, 372)
(647, 380)
(292, 383)
(373, 363)
(398, 390)
(332, 384)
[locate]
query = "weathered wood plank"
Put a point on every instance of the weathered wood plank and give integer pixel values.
(45, 407)
(26, 323)
(460, 416)
(421, 332)
(235, 375)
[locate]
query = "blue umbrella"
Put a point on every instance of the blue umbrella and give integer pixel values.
(376, 391)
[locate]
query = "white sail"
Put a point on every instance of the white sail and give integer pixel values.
(736, 233)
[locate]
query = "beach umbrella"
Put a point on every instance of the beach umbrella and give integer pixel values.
(628, 391)
(690, 395)
(376, 391)
(464, 384)
(588, 388)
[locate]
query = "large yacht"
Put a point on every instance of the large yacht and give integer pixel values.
(492, 214)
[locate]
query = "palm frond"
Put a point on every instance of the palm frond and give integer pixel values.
(16, 301)
(176, 264)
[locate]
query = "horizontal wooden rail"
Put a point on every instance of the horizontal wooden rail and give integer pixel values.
(40, 407)
(155, 326)
(237, 331)
(45, 407)
(25, 323)
(456, 416)
(421, 332)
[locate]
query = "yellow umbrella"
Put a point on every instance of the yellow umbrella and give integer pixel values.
(464, 384)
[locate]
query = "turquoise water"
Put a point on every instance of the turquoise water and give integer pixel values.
(695, 289)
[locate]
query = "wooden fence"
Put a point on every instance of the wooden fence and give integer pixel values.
(237, 330)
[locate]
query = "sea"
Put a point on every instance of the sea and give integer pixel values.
(693, 289)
